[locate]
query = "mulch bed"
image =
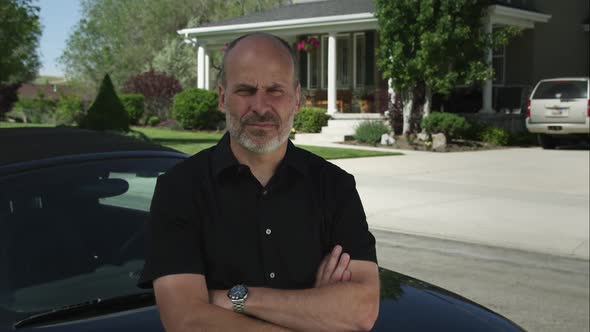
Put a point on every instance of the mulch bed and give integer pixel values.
(455, 146)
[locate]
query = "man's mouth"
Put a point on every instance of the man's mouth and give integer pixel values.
(262, 125)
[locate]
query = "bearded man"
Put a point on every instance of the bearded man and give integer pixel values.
(255, 234)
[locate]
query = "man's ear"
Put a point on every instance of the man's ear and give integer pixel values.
(221, 99)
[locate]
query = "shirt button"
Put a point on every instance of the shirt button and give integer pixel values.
(272, 275)
(268, 231)
(264, 192)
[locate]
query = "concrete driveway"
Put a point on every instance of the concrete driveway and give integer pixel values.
(522, 198)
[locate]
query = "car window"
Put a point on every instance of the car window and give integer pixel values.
(74, 233)
(562, 90)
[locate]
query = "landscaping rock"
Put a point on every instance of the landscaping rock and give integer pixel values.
(439, 142)
(387, 139)
(423, 136)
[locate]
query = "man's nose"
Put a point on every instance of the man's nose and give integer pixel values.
(260, 102)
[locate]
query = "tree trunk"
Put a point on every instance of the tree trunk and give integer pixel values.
(408, 101)
(427, 101)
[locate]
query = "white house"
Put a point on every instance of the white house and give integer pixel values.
(343, 68)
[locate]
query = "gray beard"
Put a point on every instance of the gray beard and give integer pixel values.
(237, 132)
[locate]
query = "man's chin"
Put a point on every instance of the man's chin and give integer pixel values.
(259, 144)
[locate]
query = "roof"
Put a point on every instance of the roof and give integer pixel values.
(49, 91)
(26, 144)
(302, 10)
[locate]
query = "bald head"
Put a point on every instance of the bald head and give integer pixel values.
(254, 40)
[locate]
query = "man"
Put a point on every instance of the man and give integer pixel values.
(255, 234)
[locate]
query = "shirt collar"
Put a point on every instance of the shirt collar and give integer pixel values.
(223, 157)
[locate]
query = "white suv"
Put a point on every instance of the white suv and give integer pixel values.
(559, 108)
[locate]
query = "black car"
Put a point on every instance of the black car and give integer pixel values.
(73, 204)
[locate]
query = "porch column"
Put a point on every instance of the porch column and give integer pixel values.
(487, 87)
(332, 73)
(201, 67)
(207, 62)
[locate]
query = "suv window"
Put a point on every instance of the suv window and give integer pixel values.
(562, 90)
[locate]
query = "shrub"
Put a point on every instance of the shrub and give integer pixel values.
(69, 111)
(157, 88)
(495, 136)
(107, 112)
(452, 125)
(153, 121)
(197, 109)
(310, 120)
(133, 103)
(34, 110)
(371, 131)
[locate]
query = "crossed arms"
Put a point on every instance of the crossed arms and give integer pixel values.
(345, 297)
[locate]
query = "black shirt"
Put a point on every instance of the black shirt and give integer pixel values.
(211, 216)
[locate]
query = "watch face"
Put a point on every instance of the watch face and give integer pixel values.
(237, 292)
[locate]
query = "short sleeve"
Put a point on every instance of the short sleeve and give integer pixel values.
(172, 233)
(349, 226)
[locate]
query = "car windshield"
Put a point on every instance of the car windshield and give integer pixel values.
(562, 90)
(74, 233)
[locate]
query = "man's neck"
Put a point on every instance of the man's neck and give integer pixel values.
(262, 165)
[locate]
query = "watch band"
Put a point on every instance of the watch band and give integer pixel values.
(238, 305)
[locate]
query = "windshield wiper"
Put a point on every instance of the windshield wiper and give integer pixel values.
(90, 308)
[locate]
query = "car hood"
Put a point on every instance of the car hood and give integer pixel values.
(407, 304)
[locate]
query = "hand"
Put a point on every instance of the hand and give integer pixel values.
(333, 268)
(219, 298)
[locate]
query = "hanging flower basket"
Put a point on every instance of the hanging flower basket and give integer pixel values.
(308, 44)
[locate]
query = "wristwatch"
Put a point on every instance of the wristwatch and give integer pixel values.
(237, 296)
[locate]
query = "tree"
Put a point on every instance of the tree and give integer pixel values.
(128, 37)
(107, 112)
(178, 59)
(157, 88)
(20, 30)
(434, 45)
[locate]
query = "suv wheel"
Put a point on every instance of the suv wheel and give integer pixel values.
(546, 141)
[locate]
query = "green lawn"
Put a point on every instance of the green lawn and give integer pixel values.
(191, 142)
(16, 125)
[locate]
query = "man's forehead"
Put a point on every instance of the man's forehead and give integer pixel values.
(263, 48)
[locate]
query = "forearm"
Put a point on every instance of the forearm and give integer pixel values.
(337, 307)
(213, 318)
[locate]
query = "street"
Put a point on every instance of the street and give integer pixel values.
(537, 291)
(506, 228)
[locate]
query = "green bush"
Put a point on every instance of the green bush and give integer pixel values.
(197, 109)
(495, 136)
(107, 112)
(371, 131)
(33, 110)
(153, 121)
(69, 111)
(452, 125)
(133, 103)
(310, 120)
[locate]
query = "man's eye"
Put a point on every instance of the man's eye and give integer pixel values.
(275, 92)
(245, 92)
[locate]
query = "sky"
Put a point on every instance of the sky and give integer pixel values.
(58, 18)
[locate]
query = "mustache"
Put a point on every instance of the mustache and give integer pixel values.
(257, 118)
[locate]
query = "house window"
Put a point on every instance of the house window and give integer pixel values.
(499, 65)
(360, 60)
(313, 59)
